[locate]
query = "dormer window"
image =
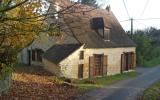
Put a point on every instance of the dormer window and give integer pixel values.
(97, 23)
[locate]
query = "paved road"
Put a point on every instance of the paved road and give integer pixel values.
(127, 89)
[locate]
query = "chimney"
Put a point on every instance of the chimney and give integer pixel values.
(108, 8)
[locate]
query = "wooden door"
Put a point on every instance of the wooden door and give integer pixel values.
(105, 64)
(29, 57)
(124, 62)
(80, 71)
(127, 61)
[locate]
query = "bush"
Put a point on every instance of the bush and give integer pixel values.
(146, 49)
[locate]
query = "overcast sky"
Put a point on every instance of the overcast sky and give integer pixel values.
(136, 11)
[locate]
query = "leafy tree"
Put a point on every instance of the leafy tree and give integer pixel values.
(20, 22)
(146, 48)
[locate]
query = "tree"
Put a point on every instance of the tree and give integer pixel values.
(146, 49)
(90, 2)
(20, 22)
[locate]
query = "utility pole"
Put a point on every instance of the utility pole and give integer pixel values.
(131, 28)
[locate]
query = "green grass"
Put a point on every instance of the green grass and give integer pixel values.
(102, 81)
(152, 93)
(152, 63)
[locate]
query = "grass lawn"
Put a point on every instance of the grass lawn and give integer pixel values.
(152, 93)
(152, 63)
(100, 82)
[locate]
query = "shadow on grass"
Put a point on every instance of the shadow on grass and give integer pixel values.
(34, 70)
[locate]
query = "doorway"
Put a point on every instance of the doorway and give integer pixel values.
(127, 61)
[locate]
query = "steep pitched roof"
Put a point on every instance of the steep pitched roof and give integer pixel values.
(79, 23)
(59, 52)
(78, 19)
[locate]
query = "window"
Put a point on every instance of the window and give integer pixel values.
(37, 55)
(107, 34)
(81, 55)
(97, 23)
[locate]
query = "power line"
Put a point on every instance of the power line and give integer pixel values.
(141, 19)
(148, 19)
(146, 4)
(125, 20)
(141, 23)
(126, 8)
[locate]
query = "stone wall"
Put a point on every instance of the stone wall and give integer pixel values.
(114, 59)
(69, 66)
(5, 84)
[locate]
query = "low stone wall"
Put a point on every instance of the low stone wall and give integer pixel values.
(5, 84)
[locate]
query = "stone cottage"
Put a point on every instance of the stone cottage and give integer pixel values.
(91, 43)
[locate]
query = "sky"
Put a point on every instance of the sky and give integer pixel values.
(137, 9)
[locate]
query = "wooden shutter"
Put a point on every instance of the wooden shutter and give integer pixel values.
(80, 71)
(105, 63)
(122, 63)
(130, 61)
(29, 57)
(39, 54)
(91, 66)
(134, 60)
(33, 55)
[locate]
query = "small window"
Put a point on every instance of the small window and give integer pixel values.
(81, 55)
(107, 34)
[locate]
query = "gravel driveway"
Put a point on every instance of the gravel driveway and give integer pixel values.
(127, 89)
